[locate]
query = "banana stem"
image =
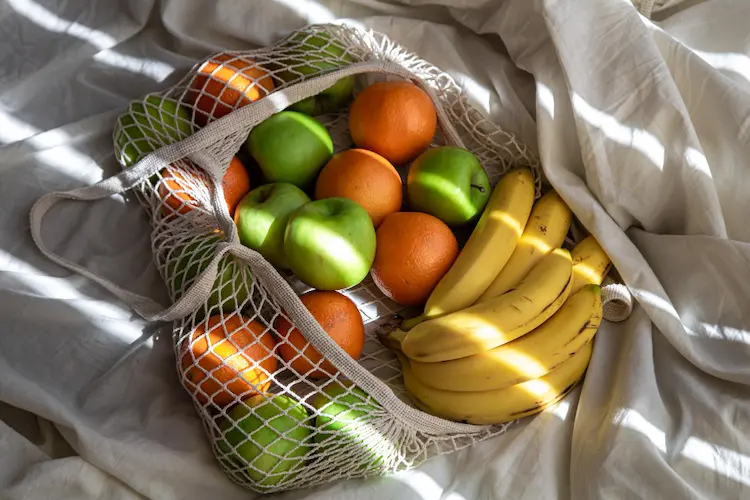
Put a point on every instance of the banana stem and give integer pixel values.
(393, 340)
(408, 324)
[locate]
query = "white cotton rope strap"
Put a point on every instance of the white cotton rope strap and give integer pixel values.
(617, 302)
(645, 7)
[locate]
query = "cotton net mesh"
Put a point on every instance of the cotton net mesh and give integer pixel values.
(273, 428)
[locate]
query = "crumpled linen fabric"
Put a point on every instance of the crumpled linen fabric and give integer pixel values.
(642, 123)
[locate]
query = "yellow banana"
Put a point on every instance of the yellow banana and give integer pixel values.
(499, 405)
(531, 356)
(546, 404)
(496, 321)
(590, 263)
(531, 411)
(546, 229)
(488, 249)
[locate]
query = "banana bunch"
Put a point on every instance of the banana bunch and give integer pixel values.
(509, 330)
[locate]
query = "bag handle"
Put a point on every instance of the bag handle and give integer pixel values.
(142, 305)
(331, 351)
(194, 147)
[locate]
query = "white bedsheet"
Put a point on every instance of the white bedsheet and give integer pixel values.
(642, 125)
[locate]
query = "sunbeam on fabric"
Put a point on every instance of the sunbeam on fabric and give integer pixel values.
(712, 456)
(724, 332)
(51, 149)
(156, 70)
(310, 10)
(426, 486)
(734, 62)
(653, 300)
(561, 410)
(41, 285)
(545, 99)
(638, 139)
(12, 129)
(698, 161)
(476, 93)
(738, 64)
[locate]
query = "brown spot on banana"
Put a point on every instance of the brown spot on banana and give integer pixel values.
(574, 338)
(584, 327)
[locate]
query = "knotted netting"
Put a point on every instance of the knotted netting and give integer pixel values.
(280, 414)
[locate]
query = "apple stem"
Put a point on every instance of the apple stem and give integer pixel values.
(480, 188)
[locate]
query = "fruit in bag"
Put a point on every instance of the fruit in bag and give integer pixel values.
(272, 435)
(149, 125)
(290, 147)
(225, 359)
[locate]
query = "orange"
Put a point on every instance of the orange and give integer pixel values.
(414, 251)
(228, 361)
(224, 83)
(394, 119)
(365, 177)
(340, 319)
(235, 184)
(177, 187)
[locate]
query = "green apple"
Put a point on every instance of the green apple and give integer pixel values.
(449, 183)
(269, 435)
(149, 125)
(290, 147)
(314, 55)
(330, 243)
(345, 417)
(331, 99)
(262, 215)
(341, 409)
(186, 263)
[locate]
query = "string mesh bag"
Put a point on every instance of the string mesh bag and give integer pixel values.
(271, 426)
